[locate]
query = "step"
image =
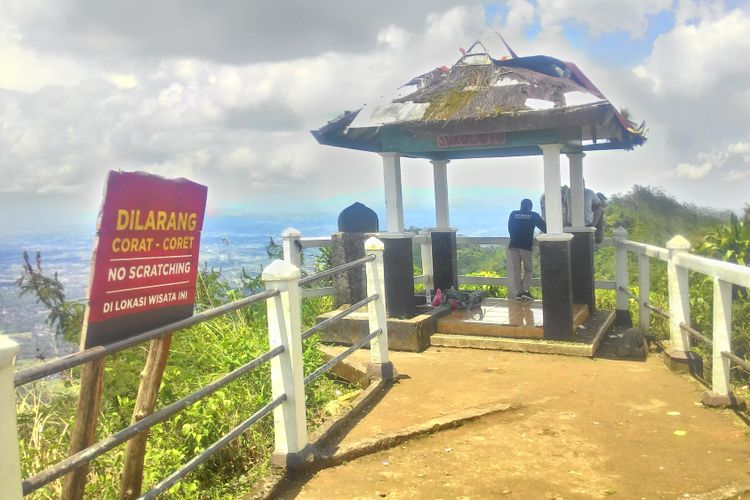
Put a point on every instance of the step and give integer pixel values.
(597, 324)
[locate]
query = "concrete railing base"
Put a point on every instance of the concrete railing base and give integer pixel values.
(683, 362)
(714, 400)
(381, 371)
(294, 460)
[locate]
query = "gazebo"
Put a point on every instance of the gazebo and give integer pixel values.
(483, 107)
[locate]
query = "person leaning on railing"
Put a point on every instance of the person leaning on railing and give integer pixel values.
(521, 224)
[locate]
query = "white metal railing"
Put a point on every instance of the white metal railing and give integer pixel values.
(282, 297)
(295, 244)
(679, 263)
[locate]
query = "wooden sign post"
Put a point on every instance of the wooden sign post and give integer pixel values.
(143, 277)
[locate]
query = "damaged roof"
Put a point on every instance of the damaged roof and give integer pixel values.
(483, 107)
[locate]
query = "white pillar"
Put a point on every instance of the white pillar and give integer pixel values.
(552, 185)
(376, 309)
(577, 217)
(440, 174)
(622, 279)
(678, 288)
(10, 460)
(394, 204)
(287, 376)
(292, 253)
(644, 287)
(722, 334)
(427, 268)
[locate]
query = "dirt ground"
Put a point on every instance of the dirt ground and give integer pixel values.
(580, 428)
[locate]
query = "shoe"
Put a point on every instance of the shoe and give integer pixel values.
(524, 296)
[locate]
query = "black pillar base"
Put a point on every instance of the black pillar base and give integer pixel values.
(557, 292)
(444, 263)
(398, 261)
(350, 286)
(582, 266)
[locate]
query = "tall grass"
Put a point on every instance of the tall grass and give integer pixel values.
(199, 355)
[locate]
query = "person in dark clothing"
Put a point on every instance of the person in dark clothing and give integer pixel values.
(521, 224)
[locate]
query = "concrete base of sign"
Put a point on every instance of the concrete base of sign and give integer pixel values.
(714, 400)
(294, 460)
(411, 334)
(683, 362)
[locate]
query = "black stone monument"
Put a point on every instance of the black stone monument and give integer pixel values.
(356, 222)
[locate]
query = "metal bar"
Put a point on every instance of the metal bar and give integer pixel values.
(84, 456)
(320, 371)
(737, 360)
(659, 312)
(695, 333)
(316, 292)
(335, 270)
(655, 309)
(605, 285)
(328, 322)
(211, 450)
(628, 293)
(482, 240)
(81, 357)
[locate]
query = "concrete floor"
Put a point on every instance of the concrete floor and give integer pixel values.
(581, 428)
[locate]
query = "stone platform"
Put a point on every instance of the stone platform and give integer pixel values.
(510, 326)
(411, 334)
(503, 318)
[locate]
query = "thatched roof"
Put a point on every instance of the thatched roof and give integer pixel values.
(480, 95)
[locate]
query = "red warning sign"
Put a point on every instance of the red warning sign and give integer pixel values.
(145, 257)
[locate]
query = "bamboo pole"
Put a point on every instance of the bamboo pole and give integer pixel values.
(148, 390)
(84, 430)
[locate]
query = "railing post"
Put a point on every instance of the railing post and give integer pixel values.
(10, 459)
(427, 271)
(622, 279)
(287, 377)
(679, 357)
(720, 395)
(380, 367)
(292, 246)
(644, 288)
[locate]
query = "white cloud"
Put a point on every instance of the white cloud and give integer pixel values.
(241, 126)
(708, 56)
(736, 175)
(741, 149)
(602, 16)
(694, 172)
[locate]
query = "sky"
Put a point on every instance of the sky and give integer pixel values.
(226, 92)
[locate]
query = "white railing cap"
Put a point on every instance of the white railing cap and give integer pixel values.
(291, 232)
(373, 244)
(280, 270)
(678, 243)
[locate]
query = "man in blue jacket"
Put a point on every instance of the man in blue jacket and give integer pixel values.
(521, 224)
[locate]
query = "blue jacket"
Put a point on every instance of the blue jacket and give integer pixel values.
(521, 228)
